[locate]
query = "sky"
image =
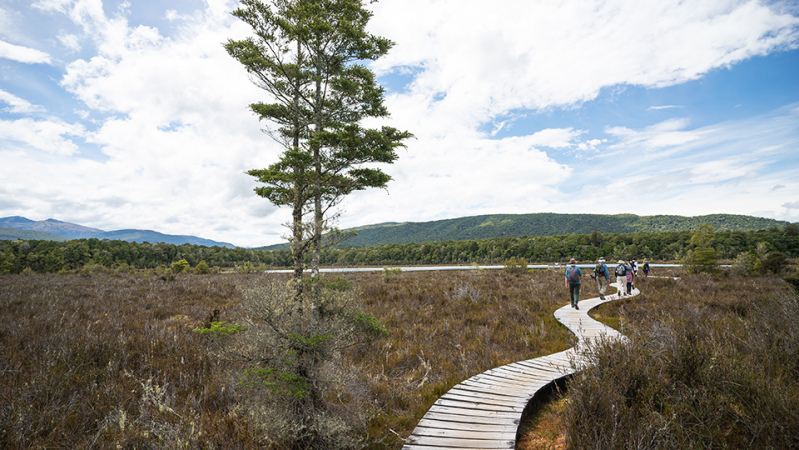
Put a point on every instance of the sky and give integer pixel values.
(130, 114)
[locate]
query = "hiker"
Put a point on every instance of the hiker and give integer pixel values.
(573, 275)
(630, 279)
(621, 278)
(646, 268)
(602, 277)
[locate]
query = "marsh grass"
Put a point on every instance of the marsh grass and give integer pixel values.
(107, 359)
(713, 362)
(104, 360)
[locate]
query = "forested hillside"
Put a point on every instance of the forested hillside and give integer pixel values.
(13, 233)
(543, 224)
(49, 256)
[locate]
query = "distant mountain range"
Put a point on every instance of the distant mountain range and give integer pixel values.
(16, 227)
(541, 224)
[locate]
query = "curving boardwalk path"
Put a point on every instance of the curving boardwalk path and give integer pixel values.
(485, 410)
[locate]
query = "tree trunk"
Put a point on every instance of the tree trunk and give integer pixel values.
(318, 227)
(297, 244)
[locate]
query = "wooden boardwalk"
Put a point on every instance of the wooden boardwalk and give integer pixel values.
(485, 410)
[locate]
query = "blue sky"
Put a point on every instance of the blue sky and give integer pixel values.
(129, 114)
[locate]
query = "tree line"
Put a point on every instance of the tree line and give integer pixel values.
(51, 256)
(545, 224)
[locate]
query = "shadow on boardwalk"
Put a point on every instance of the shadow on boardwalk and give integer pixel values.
(485, 410)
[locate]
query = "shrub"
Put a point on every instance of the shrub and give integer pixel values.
(249, 267)
(180, 266)
(391, 273)
(516, 266)
(302, 394)
(202, 268)
(745, 263)
(775, 262)
(700, 259)
(218, 330)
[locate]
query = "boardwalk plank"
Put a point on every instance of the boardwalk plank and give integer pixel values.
(448, 409)
(504, 427)
(446, 419)
(462, 443)
(468, 434)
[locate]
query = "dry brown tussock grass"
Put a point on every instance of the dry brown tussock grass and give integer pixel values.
(107, 360)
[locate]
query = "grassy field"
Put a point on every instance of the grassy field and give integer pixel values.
(112, 359)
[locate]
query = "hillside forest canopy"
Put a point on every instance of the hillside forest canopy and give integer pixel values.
(75, 255)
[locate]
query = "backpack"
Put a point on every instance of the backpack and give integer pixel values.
(598, 270)
(621, 270)
(573, 275)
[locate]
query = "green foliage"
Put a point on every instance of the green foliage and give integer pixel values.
(746, 263)
(775, 262)
(202, 268)
(391, 273)
(249, 267)
(180, 266)
(219, 330)
(280, 383)
(517, 266)
(369, 325)
(701, 259)
(310, 56)
(15, 256)
(333, 283)
(549, 224)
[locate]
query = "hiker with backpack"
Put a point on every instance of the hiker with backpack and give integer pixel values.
(621, 278)
(573, 275)
(631, 272)
(602, 277)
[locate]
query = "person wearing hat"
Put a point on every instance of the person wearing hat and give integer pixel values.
(621, 278)
(602, 277)
(573, 275)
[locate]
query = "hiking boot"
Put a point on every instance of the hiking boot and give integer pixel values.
(601, 297)
(576, 307)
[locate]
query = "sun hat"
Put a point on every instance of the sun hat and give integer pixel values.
(601, 260)
(572, 261)
(621, 262)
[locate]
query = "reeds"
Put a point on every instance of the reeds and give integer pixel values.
(713, 362)
(110, 359)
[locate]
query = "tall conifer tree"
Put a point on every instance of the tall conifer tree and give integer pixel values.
(307, 55)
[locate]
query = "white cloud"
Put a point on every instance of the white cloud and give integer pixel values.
(717, 169)
(47, 136)
(453, 176)
(178, 134)
(668, 133)
(562, 53)
(52, 5)
(18, 105)
(69, 41)
(658, 108)
(23, 54)
(555, 137)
